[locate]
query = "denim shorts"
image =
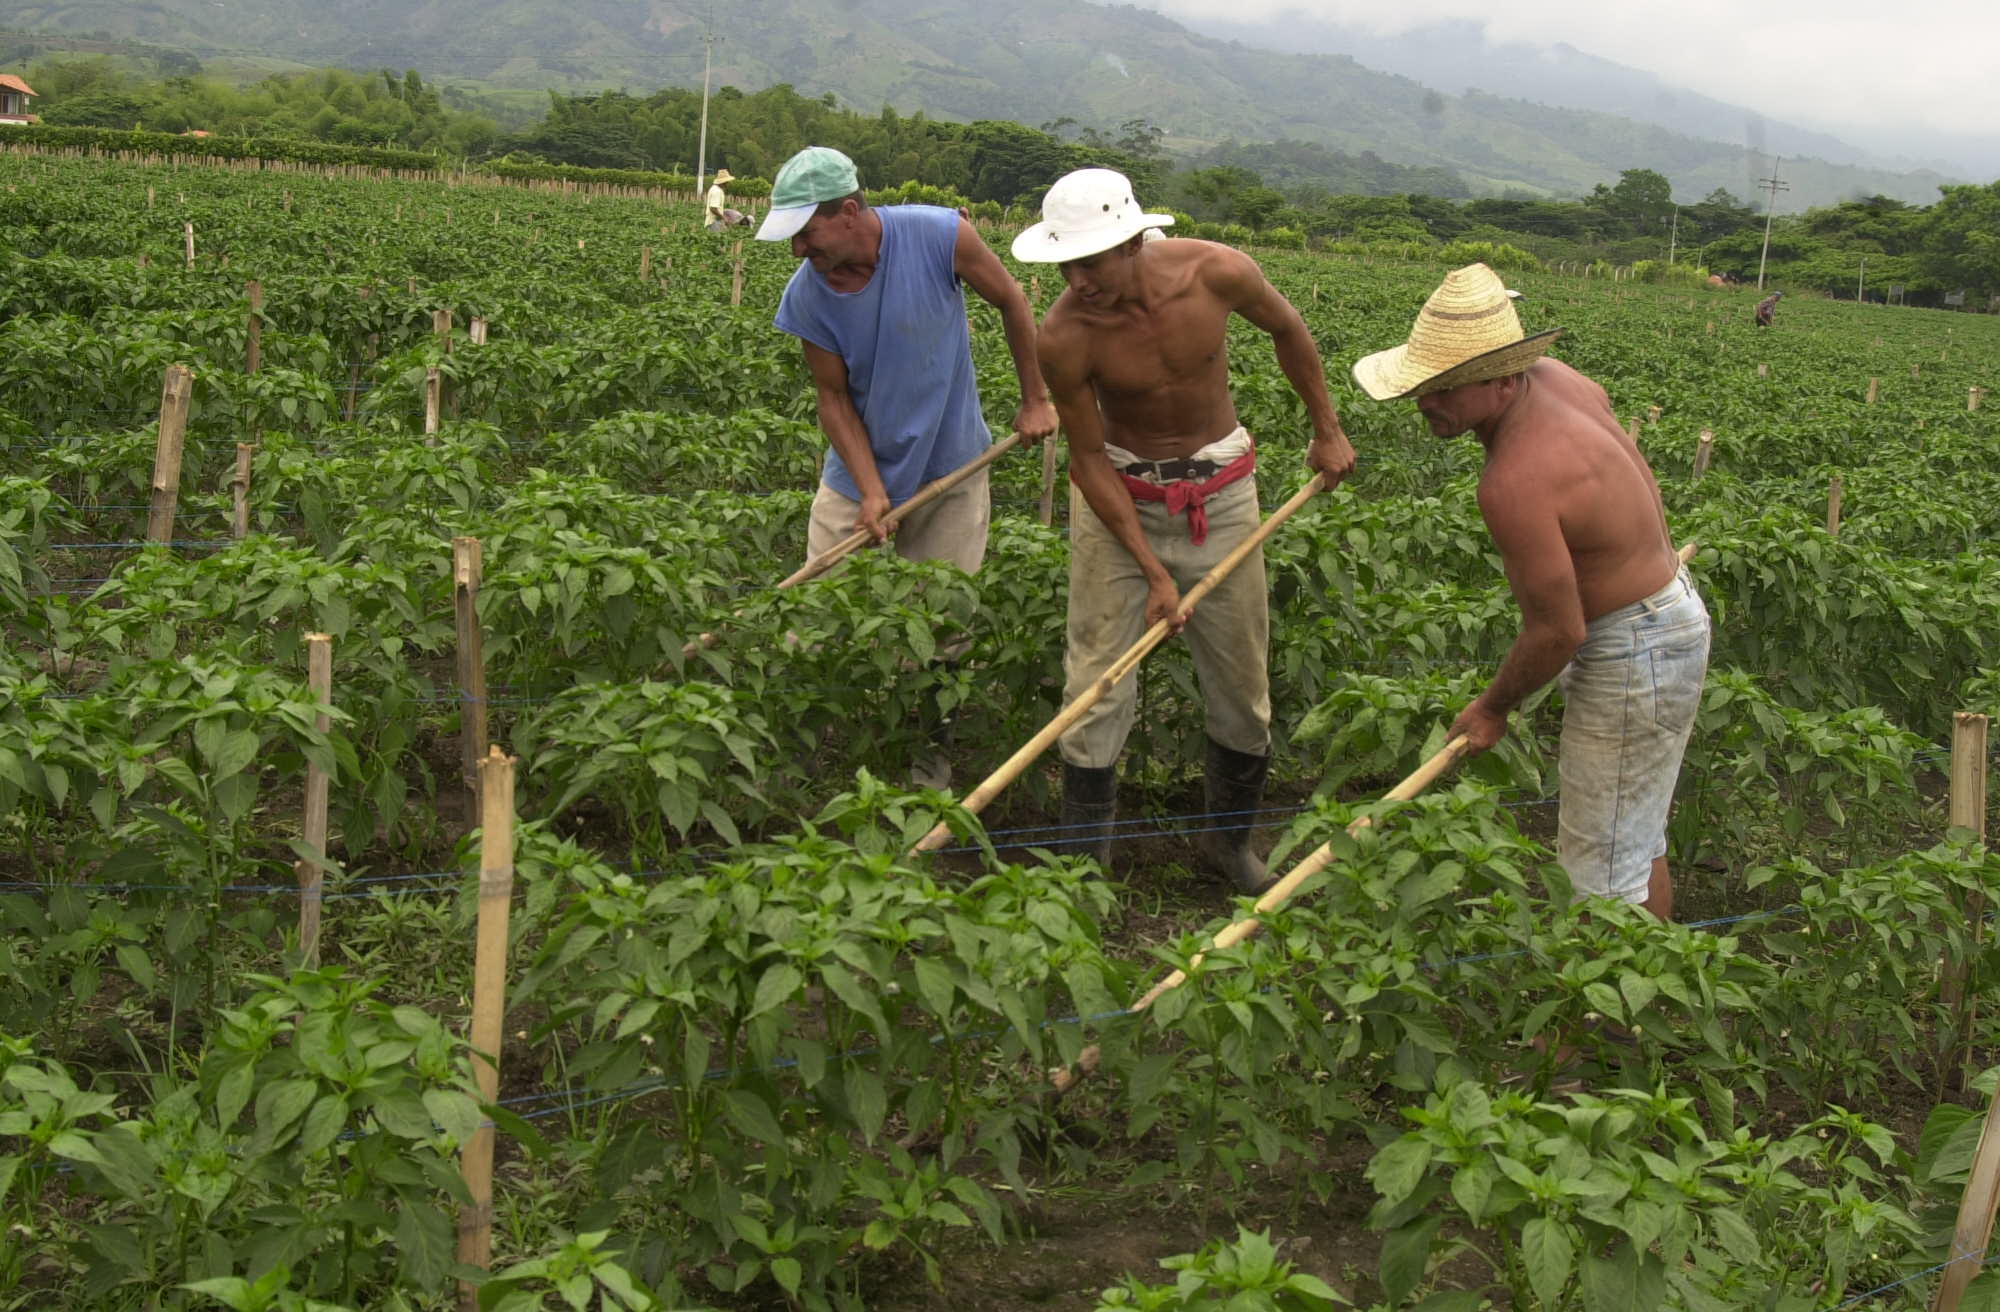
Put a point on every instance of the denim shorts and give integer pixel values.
(1629, 700)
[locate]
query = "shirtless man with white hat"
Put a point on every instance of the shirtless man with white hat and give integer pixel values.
(1162, 486)
(1605, 604)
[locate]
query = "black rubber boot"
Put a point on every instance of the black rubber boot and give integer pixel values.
(1235, 787)
(1089, 802)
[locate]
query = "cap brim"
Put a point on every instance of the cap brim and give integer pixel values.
(780, 225)
(1386, 375)
(1038, 244)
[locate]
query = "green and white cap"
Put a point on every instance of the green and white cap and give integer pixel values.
(815, 174)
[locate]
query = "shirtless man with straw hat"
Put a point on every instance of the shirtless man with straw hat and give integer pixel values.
(1605, 603)
(1162, 487)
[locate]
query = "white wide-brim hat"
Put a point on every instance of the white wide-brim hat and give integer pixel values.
(1087, 211)
(1467, 332)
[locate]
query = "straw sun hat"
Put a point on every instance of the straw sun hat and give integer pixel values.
(723, 175)
(1467, 332)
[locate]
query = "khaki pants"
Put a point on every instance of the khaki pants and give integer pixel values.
(1229, 632)
(951, 528)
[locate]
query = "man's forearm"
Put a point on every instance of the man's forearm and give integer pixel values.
(1017, 320)
(1538, 655)
(845, 432)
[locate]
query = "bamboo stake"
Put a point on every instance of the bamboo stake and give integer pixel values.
(1976, 1209)
(175, 390)
(1047, 509)
(1973, 397)
(1270, 900)
(1874, 388)
(441, 326)
(433, 402)
(840, 550)
(311, 870)
(1968, 811)
(239, 491)
(466, 565)
(1763, 370)
(187, 233)
(253, 351)
(489, 1001)
(1704, 451)
(645, 263)
(1011, 770)
(476, 331)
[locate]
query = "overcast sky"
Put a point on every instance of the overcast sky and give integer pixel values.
(1833, 64)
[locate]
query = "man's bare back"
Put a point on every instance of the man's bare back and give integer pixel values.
(1157, 363)
(1560, 446)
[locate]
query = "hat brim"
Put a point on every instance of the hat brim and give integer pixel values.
(781, 225)
(1041, 244)
(1389, 376)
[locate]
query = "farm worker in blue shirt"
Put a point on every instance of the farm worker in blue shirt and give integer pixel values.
(877, 304)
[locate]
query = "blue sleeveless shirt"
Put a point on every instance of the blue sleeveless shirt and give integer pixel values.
(908, 353)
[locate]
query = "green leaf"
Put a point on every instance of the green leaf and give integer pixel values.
(868, 1100)
(753, 1116)
(402, 1114)
(1399, 1168)
(777, 985)
(323, 1123)
(1406, 1256)
(281, 1103)
(787, 1272)
(1548, 1253)
(457, 1114)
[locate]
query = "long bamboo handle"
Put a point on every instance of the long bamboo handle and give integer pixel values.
(1686, 553)
(1272, 898)
(1012, 768)
(860, 537)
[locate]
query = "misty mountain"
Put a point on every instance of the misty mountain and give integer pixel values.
(1032, 61)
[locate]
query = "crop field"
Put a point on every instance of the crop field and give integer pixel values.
(756, 1056)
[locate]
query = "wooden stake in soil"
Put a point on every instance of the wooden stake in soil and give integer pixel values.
(1704, 451)
(1874, 388)
(489, 1005)
(311, 870)
(1763, 370)
(239, 491)
(1270, 900)
(1833, 506)
(976, 800)
(476, 331)
(187, 234)
(253, 350)
(1974, 397)
(1047, 510)
(1976, 1209)
(466, 563)
(1916, 370)
(1968, 811)
(433, 401)
(175, 390)
(645, 263)
(736, 277)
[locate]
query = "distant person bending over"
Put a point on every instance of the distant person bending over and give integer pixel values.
(1162, 487)
(1605, 604)
(1766, 308)
(715, 212)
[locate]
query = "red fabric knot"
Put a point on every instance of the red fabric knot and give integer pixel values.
(1189, 496)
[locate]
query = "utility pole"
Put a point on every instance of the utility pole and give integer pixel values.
(1773, 184)
(1861, 283)
(1673, 235)
(701, 150)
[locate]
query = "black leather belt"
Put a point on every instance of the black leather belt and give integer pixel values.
(1172, 471)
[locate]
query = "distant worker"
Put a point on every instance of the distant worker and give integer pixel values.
(1766, 308)
(715, 215)
(1162, 487)
(878, 304)
(1605, 603)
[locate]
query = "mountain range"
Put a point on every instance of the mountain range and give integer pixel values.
(1033, 61)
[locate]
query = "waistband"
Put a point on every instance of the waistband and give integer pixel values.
(1207, 462)
(1680, 585)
